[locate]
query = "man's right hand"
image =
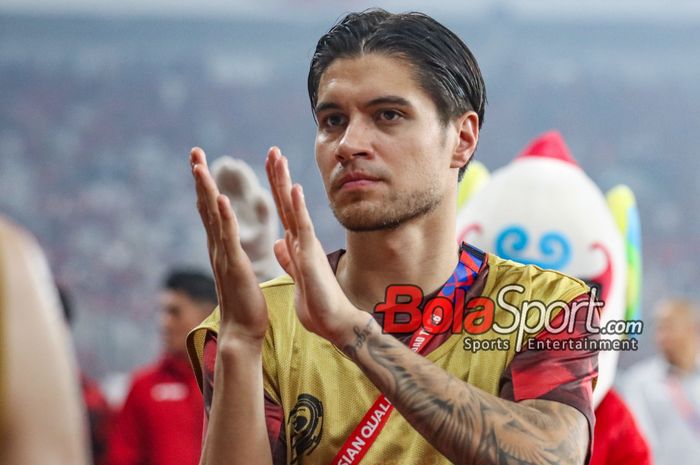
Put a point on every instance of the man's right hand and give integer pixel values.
(241, 303)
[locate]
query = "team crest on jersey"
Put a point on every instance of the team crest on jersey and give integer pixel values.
(306, 423)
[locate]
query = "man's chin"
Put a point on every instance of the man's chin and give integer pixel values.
(367, 225)
(171, 348)
(359, 217)
(368, 216)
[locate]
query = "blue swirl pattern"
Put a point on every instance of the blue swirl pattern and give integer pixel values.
(554, 248)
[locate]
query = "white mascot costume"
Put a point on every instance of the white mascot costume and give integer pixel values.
(255, 211)
(542, 209)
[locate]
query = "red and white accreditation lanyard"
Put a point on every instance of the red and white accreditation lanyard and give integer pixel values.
(372, 423)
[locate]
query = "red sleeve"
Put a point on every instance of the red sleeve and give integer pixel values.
(564, 376)
(274, 414)
(128, 438)
(99, 417)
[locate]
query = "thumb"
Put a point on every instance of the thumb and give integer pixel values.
(284, 258)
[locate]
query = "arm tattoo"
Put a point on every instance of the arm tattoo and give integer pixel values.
(464, 423)
(360, 339)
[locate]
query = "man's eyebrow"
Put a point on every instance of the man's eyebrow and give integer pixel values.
(389, 99)
(326, 106)
(383, 100)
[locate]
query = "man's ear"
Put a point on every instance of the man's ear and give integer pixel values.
(467, 127)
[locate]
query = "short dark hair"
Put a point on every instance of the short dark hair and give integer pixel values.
(66, 303)
(445, 67)
(196, 284)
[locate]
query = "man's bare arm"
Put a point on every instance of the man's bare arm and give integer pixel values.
(43, 408)
(464, 423)
(236, 432)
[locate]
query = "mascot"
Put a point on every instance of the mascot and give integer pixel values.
(542, 209)
(255, 211)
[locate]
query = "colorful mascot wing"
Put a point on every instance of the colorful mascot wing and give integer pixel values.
(474, 179)
(623, 206)
(255, 212)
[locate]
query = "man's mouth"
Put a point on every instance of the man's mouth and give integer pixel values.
(354, 180)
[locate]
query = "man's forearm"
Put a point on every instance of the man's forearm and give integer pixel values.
(236, 432)
(464, 423)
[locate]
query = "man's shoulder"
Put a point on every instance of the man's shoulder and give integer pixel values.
(145, 374)
(535, 280)
(278, 292)
(278, 288)
(278, 282)
(141, 380)
(279, 297)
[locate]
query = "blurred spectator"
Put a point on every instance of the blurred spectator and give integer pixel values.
(41, 418)
(98, 410)
(664, 392)
(161, 420)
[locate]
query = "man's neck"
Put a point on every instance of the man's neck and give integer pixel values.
(423, 253)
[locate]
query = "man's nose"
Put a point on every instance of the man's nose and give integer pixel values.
(166, 320)
(356, 141)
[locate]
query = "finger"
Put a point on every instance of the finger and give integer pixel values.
(233, 259)
(197, 158)
(305, 228)
(206, 214)
(284, 258)
(280, 186)
(229, 227)
(291, 244)
(207, 193)
(272, 156)
(284, 189)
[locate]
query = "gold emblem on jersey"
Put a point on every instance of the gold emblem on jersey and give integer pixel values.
(306, 422)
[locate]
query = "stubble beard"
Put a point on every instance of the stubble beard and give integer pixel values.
(362, 215)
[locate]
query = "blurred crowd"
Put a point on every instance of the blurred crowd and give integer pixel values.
(88, 146)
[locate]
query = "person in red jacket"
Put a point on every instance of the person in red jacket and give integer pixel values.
(161, 420)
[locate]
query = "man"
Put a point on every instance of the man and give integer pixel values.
(160, 422)
(399, 101)
(41, 418)
(664, 392)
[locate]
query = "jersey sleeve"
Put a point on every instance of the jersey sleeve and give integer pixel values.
(566, 375)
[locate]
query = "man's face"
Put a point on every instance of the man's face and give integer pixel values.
(179, 315)
(676, 334)
(383, 153)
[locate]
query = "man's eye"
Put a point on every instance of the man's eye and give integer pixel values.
(389, 115)
(333, 120)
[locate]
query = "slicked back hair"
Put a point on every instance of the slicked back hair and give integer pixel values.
(445, 68)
